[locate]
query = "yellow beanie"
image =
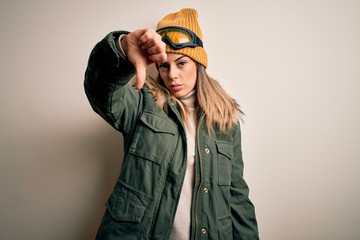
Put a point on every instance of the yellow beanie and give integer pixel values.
(186, 18)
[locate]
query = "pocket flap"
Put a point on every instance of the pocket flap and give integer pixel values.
(225, 148)
(158, 124)
(126, 205)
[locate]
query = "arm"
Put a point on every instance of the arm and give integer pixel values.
(110, 68)
(242, 209)
(106, 84)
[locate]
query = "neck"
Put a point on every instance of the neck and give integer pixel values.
(189, 99)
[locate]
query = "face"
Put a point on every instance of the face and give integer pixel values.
(179, 74)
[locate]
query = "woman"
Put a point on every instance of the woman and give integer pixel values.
(182, 173)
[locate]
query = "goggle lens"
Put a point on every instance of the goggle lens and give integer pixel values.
(178, 37)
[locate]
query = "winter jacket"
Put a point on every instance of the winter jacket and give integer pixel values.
(145, 197)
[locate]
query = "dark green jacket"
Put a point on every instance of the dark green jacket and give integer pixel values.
(145, 197)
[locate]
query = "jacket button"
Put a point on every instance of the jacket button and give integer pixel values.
(207, 150)
(206, 190)
(203, 231)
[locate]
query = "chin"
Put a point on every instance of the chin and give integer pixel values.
(179, 94)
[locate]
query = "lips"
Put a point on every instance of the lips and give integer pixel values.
(176, 87)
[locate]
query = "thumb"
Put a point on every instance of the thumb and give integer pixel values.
(140, 76)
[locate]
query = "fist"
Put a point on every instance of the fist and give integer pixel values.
(143, 47)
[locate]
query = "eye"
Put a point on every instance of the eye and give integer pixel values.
(163, 66)
(182, 63)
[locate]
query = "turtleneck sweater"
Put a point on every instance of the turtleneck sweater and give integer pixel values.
(182, 221)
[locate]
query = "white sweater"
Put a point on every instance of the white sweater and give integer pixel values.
(182, 222)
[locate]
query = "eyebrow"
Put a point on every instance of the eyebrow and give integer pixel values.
(179, 58)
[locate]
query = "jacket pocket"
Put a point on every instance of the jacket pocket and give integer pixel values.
(225, 154)
(225, 228)
(151, 152)
(153, 137)
(126, 205)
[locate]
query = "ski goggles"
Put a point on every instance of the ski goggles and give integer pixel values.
(179, 37)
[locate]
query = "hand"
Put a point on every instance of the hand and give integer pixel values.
(143, 47)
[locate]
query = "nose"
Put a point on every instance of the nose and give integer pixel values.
(173, 72)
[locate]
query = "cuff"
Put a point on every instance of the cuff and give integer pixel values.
(119, 44)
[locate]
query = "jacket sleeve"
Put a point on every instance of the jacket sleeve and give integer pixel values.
(242, 210)
(107, 85)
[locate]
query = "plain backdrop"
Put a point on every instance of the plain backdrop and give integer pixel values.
(294, 67)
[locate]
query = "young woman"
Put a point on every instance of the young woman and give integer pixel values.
(182, 173)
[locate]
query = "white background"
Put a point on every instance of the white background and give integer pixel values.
(294, 67)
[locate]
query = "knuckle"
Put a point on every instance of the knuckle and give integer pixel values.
(158, 48)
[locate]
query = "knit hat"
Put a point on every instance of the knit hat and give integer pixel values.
(186, 18)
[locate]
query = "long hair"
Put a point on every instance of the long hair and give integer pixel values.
(212, 101)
